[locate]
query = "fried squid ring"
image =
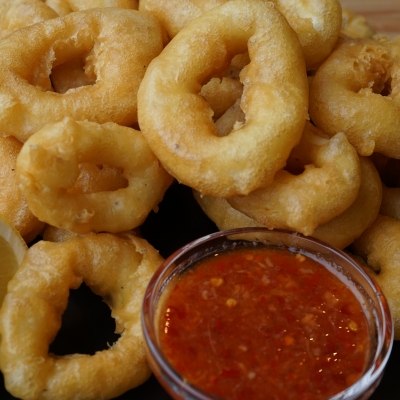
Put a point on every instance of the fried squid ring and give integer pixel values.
(115, 268)
(379, 246)
(16, 14)
(103, 35)
(339, 232)
(48, 167)
(357, 91)
(301, 202)
(317, 23)
(13, 205)
(177, 121)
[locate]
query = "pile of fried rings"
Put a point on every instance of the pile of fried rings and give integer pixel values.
(278, 113)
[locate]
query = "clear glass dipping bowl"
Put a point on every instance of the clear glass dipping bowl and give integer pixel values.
(344, 266)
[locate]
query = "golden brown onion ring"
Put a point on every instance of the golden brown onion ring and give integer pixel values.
(339, 232)
(303, 201)
(48, 167)
(357, 91)
(177, 121)
(115, 268)
(29, 54)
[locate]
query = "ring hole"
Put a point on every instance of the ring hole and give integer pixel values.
(95, 178)
(223, 94)
(294, 166)
(72, 74)
(372, 69)
(87, 325)
(380, 86)
(386, 88)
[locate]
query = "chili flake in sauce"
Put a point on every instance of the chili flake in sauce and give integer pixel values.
(264, 324)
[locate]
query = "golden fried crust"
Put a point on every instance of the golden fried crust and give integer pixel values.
(118, 269)
(64, 7)
(177, 121)
(50, 176)
(16, 14)
(77, 5)
(391, 202)
(13, 205)
(342, 230)
(317, 23)
(222, 213)
(357, 91)
(301, 202)
(355, 26)
(119, 44)
(380, 248)
(339, 232)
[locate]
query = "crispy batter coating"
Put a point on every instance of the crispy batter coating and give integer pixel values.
(119, 45)
(64, 7)
(317, 23)
(339, 232)
(355, 26)
(16, 14)
(342, 230)
(177, 121)
(379, 246)
(50, 177)
(13, 205)
(302, 201)
(357, 91)
(116, 269)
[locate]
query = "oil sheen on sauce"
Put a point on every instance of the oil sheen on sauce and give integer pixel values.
(264, 324)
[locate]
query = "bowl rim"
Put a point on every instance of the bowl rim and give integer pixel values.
(384, 330)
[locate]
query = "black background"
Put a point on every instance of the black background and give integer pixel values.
(88, 326)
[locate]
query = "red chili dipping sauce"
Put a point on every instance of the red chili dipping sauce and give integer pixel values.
(264, 324)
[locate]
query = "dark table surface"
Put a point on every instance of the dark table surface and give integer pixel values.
(88, 326)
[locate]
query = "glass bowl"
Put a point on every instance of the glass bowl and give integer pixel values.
(336, 263)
